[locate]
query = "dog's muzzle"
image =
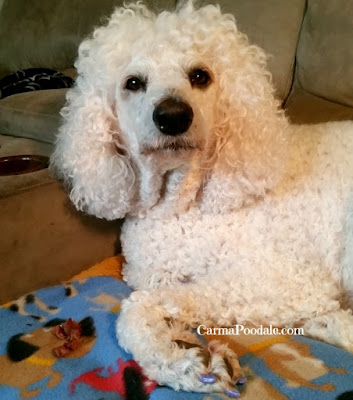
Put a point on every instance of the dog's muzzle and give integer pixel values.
(173, 116)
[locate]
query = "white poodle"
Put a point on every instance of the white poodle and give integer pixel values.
(231, 214)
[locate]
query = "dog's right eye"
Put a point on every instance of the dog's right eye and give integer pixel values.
(134, 83)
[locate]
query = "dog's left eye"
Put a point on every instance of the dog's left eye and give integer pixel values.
(199, 78)
(134, 83)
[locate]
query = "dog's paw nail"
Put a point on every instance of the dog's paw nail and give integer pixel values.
(207, 378)
(234, 394)
(241, 380)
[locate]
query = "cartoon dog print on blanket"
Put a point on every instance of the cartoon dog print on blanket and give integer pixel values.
(30, 358)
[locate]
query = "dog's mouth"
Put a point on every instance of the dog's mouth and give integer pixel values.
(174, 147)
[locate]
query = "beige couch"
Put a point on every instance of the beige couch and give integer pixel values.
(43, 240)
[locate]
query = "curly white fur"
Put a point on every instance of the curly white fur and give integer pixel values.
(256, 215)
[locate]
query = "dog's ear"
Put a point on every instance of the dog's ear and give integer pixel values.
(91, 155)
(250, 127)
(18, 350)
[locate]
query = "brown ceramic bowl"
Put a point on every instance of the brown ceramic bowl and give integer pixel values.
(22, 164)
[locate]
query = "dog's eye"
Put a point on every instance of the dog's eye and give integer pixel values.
(199, 78)
(135, 83)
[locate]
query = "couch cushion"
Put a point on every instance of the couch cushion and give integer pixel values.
(305, 108)
(46, 33)
(33, 115)
(273, 25)
(325, 50)
(45, 241)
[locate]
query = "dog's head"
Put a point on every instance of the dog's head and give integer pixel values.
(155, 92)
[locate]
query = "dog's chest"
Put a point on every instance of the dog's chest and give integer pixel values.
(301, 228)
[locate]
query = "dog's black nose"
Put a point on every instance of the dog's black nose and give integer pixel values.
(173, 116)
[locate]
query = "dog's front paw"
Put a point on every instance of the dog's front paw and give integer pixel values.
(152, 326)
(212, 368)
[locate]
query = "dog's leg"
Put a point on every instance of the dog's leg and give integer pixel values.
(155, 325)
(55, 378)
(335, 328)
(25, 393)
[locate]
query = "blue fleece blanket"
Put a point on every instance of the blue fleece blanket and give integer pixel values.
(291, 368)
